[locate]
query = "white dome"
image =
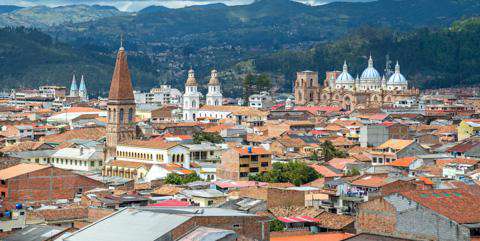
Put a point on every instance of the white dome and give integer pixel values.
(345, 77)
(397, 78)
(370, 73)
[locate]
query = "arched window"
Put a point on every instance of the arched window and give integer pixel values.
(121, 115)
(194, 104)
(182, 157)
(130, 115)
(114, 115)
(311, 82)
(109, 115)
(216, 103)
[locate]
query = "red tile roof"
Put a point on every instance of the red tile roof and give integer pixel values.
(340, 163)
(403, 162)
(20, 169)
(325, 171)
(458, 205)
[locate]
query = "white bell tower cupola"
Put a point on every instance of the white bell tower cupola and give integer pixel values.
(214, 95)
(191, 98)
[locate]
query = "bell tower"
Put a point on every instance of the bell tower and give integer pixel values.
(120, 106)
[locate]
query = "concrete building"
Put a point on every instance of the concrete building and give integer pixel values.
(237, 163)
(205, 197)
(468, 128)
(377, 134)
(261, 101)
(394, 149)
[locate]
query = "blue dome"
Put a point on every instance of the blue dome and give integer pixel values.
(370, 73)
(345, 77)
(397, 78)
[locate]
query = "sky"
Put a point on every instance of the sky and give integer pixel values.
(135, 5)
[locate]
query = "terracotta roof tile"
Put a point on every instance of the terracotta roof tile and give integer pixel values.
(334, 221)
(340, 163)
(94, 133)
(20, 169)
(396, 144)
(457, 204)
(157, 144)
(325, 171)
(371, 181)
(402, 162)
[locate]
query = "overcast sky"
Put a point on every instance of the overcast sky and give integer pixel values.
(135, 5)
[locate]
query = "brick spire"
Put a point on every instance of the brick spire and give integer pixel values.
(121, 85)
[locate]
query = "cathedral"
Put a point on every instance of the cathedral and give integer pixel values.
(191, 97)
(341, 89)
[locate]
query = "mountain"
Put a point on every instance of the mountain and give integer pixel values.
(42, 16)
(277, 37)
(8, 8)
(30, 58)
(269, 23)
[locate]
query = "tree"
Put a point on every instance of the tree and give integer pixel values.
(314, 156)
(177, 179)
(276, 225)
(295, 172)
(353, 172)
(329, 151)
(206, 136)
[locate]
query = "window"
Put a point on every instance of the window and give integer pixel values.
(130, 115)
(243, 174)
(2, 182)
(264, 164)
(243, 165)
(210, 202)
(121, 115)
(92, 163)
(236, 226)
(76, 162)
(100, 163)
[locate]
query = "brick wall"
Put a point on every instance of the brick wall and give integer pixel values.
(283, 198)
(229, 167)
(376, 216)
(48, 184)
(397, 186)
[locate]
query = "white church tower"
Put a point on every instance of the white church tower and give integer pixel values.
(82, 90)
(214, 95)
(191, 98)
(74, 88)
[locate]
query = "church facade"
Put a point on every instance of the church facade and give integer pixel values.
(191, 97)
(341, 89)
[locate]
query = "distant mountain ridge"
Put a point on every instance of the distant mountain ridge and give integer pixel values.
(43, 17)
